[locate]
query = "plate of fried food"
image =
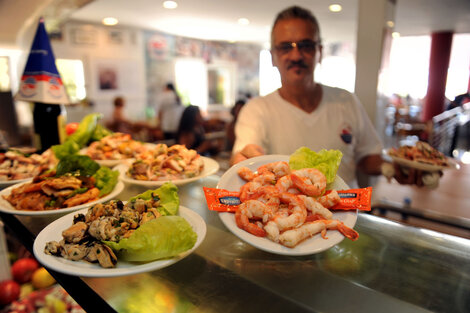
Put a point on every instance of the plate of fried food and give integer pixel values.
(420, 156)
(77, 182)
(149, 232)
(285, 211)
(161, 164)
(17, 166)
(114, 149)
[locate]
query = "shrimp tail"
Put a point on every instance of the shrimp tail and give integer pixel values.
(244, 223)
(348, 232)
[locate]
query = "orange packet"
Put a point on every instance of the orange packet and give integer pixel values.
(354, 199)
(221, 200)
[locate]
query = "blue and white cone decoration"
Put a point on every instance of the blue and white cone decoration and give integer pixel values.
(41, 81)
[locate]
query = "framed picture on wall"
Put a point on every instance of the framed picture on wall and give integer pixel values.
(107, 77)
(83, 36)
(115, 37)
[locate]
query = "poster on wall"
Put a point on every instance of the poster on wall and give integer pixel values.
(159, 47)
(107, 77)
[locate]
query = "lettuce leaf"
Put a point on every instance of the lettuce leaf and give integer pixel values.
(169, 199)
(105, 180)
(164, 237)
(326, 161)
(77, 163)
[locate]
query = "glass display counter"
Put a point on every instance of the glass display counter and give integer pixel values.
(390, 268)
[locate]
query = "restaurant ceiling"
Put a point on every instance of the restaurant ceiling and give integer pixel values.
(217, 20)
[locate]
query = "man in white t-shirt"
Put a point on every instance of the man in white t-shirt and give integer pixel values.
(303, 112)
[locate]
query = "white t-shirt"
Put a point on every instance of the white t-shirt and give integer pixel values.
(339, 122)
(171, 111)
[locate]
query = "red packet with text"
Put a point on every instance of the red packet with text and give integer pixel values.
(354, 199)
(221, 200)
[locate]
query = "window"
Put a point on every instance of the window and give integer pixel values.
(73, 78)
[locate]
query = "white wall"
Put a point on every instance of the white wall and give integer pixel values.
(93, 45)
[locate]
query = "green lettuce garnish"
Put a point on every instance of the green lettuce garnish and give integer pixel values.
(164, 237)
(105, 180)
(168, 195)
(326, 161)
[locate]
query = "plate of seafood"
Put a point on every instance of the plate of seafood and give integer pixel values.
(37, 202)
(420, 156)
(17, 167)
(285, 211)
(85, 262)
(162, 164)
(114, 149)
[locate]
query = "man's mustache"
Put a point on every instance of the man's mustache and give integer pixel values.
(297, 63)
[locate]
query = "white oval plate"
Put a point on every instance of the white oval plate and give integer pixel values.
(210, 167)
(418, 165)
(6, 183)
(107, 163)
(6, 207)
(231, 181)
(85, 269)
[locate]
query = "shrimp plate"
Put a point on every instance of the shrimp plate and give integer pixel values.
(232, 181)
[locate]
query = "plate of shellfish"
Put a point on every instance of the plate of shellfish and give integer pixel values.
(285, 211)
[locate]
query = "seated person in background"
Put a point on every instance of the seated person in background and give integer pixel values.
(191, 132)
(170, 110)
(119, 122)
(231, 126)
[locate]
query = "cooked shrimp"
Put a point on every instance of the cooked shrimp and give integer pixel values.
(267, 178)
(279, 169)
(297, 215)
(293, 237)
(284, 184)
(252, 209)
(309, 181)
(315, 207)
(246, 174)
(248, 190)
(269, 195)
(329, 200)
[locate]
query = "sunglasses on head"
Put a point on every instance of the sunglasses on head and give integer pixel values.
(305, 46)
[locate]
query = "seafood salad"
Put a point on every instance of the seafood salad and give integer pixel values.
(421, 152)
(166, 163)
(145, 228)
(75, 181)
(15, 165)
(117, 146)
(287, 206)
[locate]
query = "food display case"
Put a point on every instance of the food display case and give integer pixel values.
(390, 268)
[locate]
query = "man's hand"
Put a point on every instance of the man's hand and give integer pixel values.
(249, 151)
(411, 176)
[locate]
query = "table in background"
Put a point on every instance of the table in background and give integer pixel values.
(449, 203)
(390, 268)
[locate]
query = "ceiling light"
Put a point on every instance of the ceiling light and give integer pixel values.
(395, 34)
(170, 4)
(110, 21)
(335, 8)
(390, 24)
(243, 21)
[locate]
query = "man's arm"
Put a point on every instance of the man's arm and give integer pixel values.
(249, 151)
(371, 164)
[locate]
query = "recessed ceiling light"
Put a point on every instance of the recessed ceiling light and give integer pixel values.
(243, 21)
(110, 21)
(395, 34)
(335, 8)
(170, 4)
(390, 24)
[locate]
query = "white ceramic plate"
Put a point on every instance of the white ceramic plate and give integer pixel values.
(231, 181)
(418, 165)
(107, 163)
(6, 207)
(6, 183)
(85, 269)
(210, 167)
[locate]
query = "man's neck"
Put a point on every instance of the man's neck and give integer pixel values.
(306, 98)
